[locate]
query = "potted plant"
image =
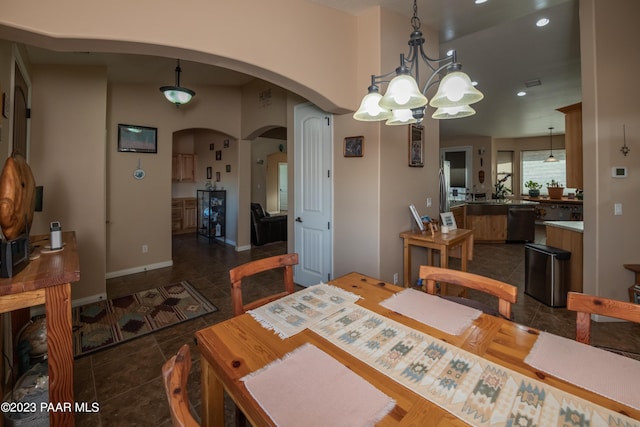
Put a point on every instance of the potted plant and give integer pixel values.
(555, 189)
(534, 188)
(501, 190)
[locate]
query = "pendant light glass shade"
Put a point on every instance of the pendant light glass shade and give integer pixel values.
(370, 110)
(401, 117)
(456, 90)
(176, 94)
(403, 93)
(445, 113)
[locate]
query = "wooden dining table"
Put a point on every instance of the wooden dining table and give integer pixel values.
(239, 346)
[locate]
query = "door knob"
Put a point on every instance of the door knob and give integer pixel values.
(298, 219)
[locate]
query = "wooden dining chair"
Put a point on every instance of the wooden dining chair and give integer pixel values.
(507, 294)
(237, 274)
(175, 373)
(586, 305)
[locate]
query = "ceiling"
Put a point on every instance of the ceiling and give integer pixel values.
(497, 43)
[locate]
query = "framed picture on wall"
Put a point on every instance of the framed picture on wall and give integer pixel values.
(137, 139)
(219, 155)
(416, 146)
(354, 146)
(209, 172)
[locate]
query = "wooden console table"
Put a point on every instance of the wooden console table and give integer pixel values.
(440, 242)
(47, 280)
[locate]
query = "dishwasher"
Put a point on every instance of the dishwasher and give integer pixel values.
(521, 223)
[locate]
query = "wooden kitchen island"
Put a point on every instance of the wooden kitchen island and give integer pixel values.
(567, 235)
(47, 280)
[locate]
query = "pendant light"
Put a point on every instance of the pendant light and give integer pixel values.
(176, 94)
(551, 158)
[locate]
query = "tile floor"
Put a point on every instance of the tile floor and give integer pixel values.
(126, 379)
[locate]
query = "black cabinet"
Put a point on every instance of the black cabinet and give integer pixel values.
(212, 211)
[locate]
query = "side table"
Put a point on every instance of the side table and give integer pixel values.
(47, 280)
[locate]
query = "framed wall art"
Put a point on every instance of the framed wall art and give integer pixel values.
(354, 146)
(416, 146)
(219, 155)
(137, 139)
(209, 172)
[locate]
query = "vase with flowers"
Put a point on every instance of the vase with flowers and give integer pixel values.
(555, 189)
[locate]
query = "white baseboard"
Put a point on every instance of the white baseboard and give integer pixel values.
(243, 248)
(139, 269)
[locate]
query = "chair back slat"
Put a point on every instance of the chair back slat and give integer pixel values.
(507, 294)
(586, 305)
(237, 274)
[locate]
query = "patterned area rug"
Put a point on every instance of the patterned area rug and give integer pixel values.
(103, 324)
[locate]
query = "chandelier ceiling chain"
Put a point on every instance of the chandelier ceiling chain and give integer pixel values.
(404, 102)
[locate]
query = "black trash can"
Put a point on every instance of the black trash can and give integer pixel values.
(546, 274)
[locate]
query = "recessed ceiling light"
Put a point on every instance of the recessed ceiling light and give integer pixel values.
(521, 93)
(474, 83)
(480, 1)
(450, 52)
(542, 22)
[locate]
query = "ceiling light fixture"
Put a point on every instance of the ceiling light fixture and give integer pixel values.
(542, 22)
(551, 158)
(404, 102)
(176, 94)
(521, 93)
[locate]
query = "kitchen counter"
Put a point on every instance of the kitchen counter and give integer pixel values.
(577, 226)
(564, 200)
(507, 202)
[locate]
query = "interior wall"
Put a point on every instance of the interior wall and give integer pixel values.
(273, 188)
(260, 149)
(609, 101)
(139, 211)
(68, 157)
(322, 38)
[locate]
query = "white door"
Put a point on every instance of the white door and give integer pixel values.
(312, 194)
(283, 187)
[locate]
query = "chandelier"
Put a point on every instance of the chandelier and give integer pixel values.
(177, 94)
(404, 102)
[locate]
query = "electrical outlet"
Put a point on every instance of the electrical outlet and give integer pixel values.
(395, 278)
(145, 249)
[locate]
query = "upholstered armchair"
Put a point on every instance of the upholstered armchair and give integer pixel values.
(266, 228)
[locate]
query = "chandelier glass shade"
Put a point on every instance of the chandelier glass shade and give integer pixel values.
(445, 113)
(177, 94)
(403, 91)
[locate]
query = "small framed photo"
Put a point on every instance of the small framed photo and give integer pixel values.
(448, 220)
(416, 217)
(209, 173)
(354, 146)
(416, 146)
(212, 146)
(225, 144)
(217, 176)
(228, 168)
(137, 139)
(219, 155)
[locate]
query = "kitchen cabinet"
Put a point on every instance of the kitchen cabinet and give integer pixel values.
(573, 144)
(183, 167)
(568, 235)
(212, 208)
(183, 215)
(488, 228)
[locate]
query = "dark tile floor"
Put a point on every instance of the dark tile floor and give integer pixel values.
(126, 379)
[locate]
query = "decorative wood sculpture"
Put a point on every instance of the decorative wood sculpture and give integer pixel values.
(17, 197)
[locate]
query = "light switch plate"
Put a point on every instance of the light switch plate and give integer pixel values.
(617, 208)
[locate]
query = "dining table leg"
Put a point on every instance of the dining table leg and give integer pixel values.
(212, 397)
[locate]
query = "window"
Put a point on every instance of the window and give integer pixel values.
(536, 169)
(505, 168)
